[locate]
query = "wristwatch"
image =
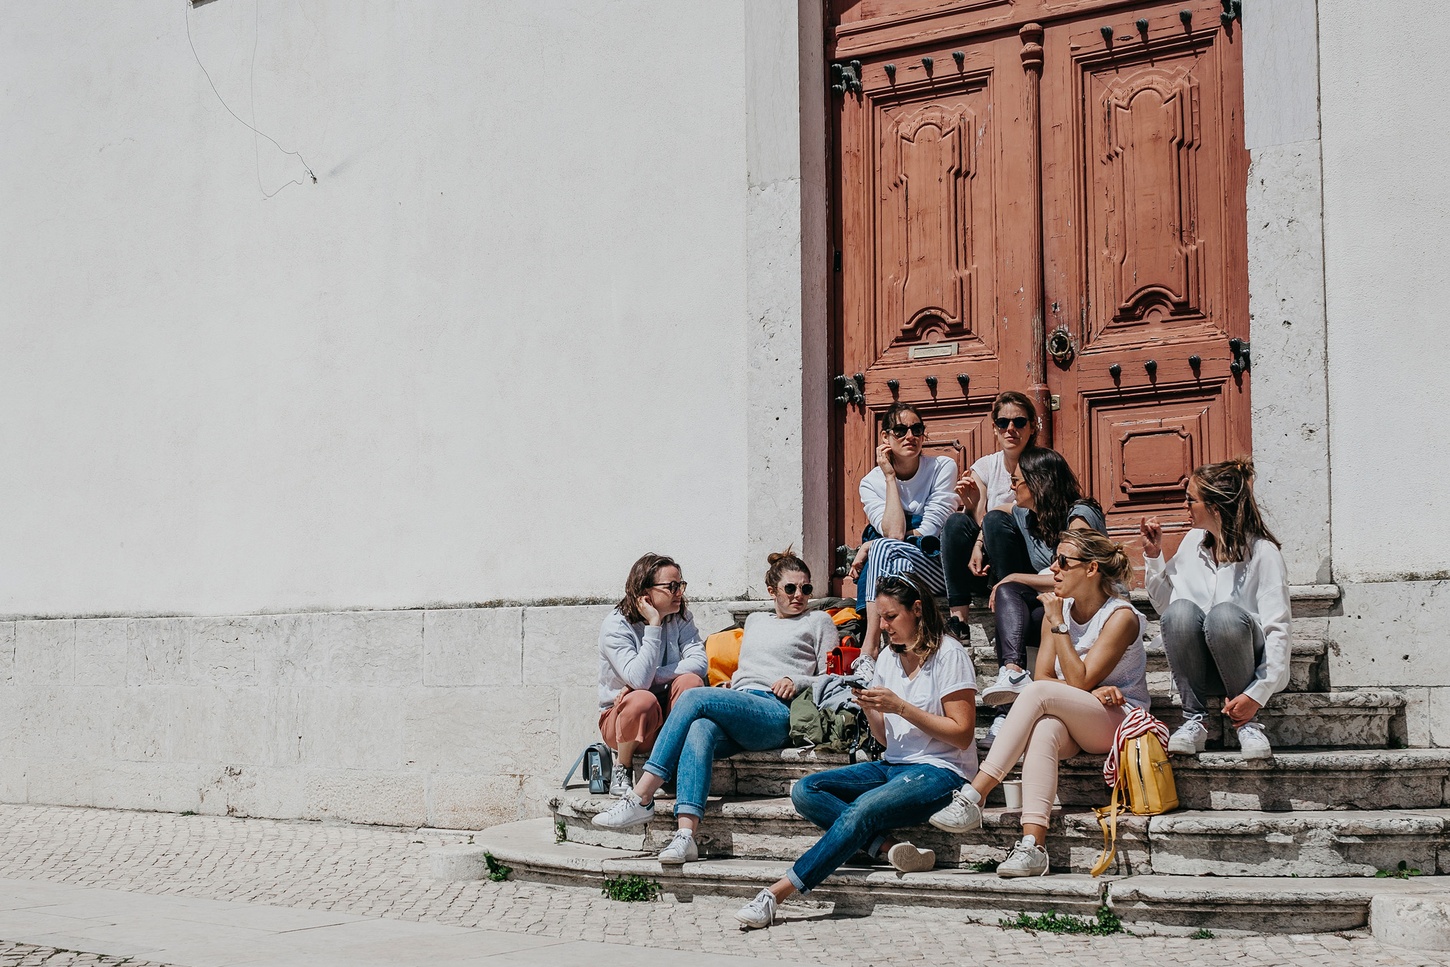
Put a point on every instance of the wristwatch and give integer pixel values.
(1061, 629)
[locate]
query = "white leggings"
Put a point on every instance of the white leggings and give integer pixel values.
(1050, 721)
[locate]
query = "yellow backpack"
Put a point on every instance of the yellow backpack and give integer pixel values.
(1140, 772)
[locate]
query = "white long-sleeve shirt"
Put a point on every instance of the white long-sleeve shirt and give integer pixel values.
(638, 655)
(928, 493)
(1259, 584)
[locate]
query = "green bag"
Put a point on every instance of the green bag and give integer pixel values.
(844, 729)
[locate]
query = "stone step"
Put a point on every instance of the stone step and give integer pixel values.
(1298, 779)
(1194, 843)
(1308, 667)
(1148, 903)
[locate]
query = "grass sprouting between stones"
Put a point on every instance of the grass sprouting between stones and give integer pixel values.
(497, 872)
(1402, 871)
(1202, 933)
(631, 888)
(1103, 923)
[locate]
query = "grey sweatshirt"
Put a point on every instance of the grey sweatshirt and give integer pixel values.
(639, 656)
(774, 648)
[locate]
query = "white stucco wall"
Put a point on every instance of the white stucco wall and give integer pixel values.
(495, 352)
(1386, 221)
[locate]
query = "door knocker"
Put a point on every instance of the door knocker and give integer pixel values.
(1059, 346)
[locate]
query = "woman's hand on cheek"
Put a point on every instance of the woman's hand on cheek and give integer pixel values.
(1051, 606)
(650, 612)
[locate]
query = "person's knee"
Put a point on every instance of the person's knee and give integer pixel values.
(959, 531)
(688, 680)
(997, 523)
(637, 704)
(1228, 624)
(1180, 620)
(802, 792)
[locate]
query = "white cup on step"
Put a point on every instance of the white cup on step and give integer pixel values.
(1012, 792)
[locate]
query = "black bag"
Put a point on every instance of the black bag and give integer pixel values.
(596, 767)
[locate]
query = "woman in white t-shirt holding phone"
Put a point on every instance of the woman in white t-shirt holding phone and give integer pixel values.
(921, 704)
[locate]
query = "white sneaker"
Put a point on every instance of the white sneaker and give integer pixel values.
(681, 849)
(621, 781)
(759, 912)
(961, 815)
(864, 667)
(1253, 744)
(985, 742)
(1007, 687)
(909, 859)
(628, 811)
(1025, 859)
(1189, 738)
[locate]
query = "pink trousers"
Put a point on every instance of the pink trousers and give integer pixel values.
(1050, 721)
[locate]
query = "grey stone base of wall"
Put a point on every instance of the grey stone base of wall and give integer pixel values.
(456, 718)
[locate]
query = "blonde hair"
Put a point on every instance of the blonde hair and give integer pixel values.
(1115, 571)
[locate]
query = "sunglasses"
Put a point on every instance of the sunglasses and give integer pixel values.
(674, 587)
(900, 430)
(1064, 562)
(1002, 422)
(805, 589)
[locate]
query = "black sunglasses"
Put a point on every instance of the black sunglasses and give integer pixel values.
(1002, 422)
(674, 587)
(1064, 562)
(805, 589)
(900, 430)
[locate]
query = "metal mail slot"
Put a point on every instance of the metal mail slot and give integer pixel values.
(933, 350)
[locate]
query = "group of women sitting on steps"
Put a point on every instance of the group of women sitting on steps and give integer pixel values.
(1037, 550)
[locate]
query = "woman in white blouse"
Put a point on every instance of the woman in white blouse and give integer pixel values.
(1224, 598)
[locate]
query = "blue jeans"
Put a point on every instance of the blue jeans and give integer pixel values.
(714, 723)
(857, 805)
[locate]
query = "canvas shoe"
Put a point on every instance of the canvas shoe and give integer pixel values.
(1189, 738)
(621, 781)
(681, 849)
(759, 912)
(985, 742)
(1007, 687)
(962, 814)
(628, 811)
(864, 668)
(1025, 859)
(908, 859)
(1253, 744)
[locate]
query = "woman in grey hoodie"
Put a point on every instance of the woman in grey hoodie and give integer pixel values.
(650, 652)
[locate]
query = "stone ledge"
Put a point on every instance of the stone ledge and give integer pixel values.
(1156, 903)
(1418, 922)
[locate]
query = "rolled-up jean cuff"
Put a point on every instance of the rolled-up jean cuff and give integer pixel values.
(795, 881)
(874, 847)
(654, 770)
(689, 809)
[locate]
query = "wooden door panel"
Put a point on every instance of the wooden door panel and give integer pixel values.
(1145, 251)
(930, 270)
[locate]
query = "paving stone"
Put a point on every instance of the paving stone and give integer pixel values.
(382, 872)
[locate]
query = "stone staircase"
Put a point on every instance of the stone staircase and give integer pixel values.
(1294, 844)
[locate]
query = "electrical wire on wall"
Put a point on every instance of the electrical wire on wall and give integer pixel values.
(256, 148)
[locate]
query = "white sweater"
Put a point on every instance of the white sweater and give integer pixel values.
(1259, 584)
(928, 493)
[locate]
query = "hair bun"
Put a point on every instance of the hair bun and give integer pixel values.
(781, 555)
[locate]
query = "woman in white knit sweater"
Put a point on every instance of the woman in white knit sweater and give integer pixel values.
(781, 653)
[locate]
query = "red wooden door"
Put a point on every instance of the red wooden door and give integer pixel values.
(938, 243)
(1145, 251)
(1010, 182)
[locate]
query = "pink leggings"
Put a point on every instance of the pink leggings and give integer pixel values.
(1050, 720)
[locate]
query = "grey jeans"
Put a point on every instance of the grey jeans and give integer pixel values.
(1212, 654)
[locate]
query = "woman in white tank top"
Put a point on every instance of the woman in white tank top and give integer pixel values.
(1091, 667)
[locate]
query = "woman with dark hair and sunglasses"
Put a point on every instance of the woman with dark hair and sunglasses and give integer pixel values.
(781, 653)
(987, 485)
(921, 704)
(1224, 598)
(907, 498)
(650, 652)
(1091, 668)
(1019, 541)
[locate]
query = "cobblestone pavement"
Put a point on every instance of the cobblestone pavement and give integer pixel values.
(380, 872)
